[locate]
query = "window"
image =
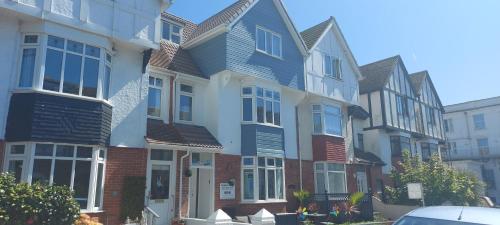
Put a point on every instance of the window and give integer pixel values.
(399, 144)
(402, 105)
(483, 146)
(332, 66)
(452, 146)
(263, 178)
(267, 105)
(154, 96)
(448, 125)
(186, 103)
(361, 142)
(489, 178)
(330, 178)
(268, 42)
(327, 119)
(81, 168)
(428, 150)
(337, 68)
(171, 32)
(328, 65)
(479, 122)
(201, 159)
(431, 117)
(70, 67)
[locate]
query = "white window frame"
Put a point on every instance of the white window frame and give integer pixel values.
(191, 95)
(29, 157)
(40, 60)
(482, 122)
(326, 173)
(163, 94)
(273, 34)
(255, 168)
(273, 99)
(171, 24)
(323, 119)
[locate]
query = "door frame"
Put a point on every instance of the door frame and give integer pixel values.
(212, 192)
(173, 175)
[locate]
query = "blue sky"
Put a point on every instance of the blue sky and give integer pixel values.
(457, 41)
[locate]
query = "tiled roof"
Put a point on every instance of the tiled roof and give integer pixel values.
(312, 34)
(180, 134)
(376, 74)
(173, 57)
(417, 79)
(225, 16)
(367, 158)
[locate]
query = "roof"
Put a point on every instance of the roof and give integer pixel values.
(180, 134)
(312, 34)
(476, 215)
(367, 158)
(417, 79)
(472, 105)
(377, 74)
(173, 57)
(225, 16)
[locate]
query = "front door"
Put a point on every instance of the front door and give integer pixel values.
(361, 182)
(160, 182)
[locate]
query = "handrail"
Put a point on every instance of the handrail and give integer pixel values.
(152, 212)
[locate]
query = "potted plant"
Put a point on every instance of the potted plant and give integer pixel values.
(301, 196)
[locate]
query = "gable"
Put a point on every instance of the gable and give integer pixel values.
(428, 93)
(399, 81)
(241, 51)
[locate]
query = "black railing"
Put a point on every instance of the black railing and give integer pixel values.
(327, 202)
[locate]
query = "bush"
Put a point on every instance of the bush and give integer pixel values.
(441, 183)
(35, 204)
(133, 197)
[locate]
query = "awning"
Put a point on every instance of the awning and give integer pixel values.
(368, 158)
(358, 112)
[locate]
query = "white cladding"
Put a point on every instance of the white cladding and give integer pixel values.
(135, 22)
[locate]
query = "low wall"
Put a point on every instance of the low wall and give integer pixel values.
(391, 212)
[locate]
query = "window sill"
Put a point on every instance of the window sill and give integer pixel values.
(28, 90)
(332, 77)
(91, 211)
(265, 53)
(262, 124)
(330, 135)
(263, 201)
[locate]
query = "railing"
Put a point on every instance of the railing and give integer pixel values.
(327, 201)
(149, 216)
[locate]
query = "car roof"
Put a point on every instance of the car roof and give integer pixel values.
(469, 214)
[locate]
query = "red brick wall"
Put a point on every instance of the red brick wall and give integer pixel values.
(328, 148)
(185, 184)
(2, 154)
(292, 180)
(121, 162)
(227, 167)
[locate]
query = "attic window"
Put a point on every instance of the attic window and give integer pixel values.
(171, 32)
(268, 42)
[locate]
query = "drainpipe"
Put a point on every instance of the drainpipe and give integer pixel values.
(298, 145)
(180, 182)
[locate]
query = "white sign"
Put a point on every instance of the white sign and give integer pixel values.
(415, 191)
(226, 191)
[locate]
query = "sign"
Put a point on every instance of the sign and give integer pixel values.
(415, 191)
(226, 191)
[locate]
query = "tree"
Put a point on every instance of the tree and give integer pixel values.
(441, 183)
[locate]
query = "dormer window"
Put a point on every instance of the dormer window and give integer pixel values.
(172, 32)
(268, 42)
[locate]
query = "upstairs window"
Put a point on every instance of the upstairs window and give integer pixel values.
(172, 32)
(186, 103)
(332, 66)
(28, 61)
(267, 105)
(154, 96)
(268, 42)
(479, 122)
(431, 117)
(361, 142)
(402, 105)
(448, 125)
(327, 119)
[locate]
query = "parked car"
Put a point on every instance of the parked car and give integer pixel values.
(450, 215)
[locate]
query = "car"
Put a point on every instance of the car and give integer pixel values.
(450, 215)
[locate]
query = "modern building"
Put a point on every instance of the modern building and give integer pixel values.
(405, 114)
(473, 138)
(72, 94)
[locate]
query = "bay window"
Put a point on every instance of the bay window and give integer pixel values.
(399, 145)
(330, 178)
(78, 167)
(263, 179)
(267, 109)
(327, 119)
(70, 67)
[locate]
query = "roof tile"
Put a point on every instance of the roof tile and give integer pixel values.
(376, 74)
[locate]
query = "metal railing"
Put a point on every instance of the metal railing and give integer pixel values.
(327, 201)
(149, 216)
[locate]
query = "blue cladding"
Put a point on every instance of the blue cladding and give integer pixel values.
(261, 139)
(235, 50)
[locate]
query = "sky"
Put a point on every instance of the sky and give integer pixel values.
(457, 41)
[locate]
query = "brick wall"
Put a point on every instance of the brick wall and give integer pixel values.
(227, 167)
(328, 148)
(2, 154)
(121, 162)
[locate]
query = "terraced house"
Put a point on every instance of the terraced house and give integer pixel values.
(405, 114)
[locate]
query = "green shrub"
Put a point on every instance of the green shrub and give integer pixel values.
(35, 204)
(133, 197)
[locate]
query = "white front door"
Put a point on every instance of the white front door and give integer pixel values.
(362, 182)
(160, 184)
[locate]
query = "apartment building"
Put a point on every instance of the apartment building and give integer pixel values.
(473, 139)
(405, 113)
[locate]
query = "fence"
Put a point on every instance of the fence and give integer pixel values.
(327, 201)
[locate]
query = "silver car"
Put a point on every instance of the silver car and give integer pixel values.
(451, 215)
